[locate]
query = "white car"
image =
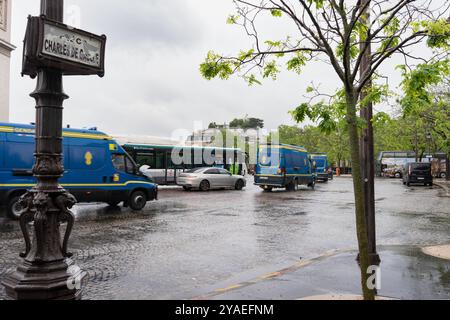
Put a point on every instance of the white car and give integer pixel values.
(206, 179)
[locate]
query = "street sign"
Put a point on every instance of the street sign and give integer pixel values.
(55, 45)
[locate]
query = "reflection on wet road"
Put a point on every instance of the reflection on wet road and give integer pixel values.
(188, 243)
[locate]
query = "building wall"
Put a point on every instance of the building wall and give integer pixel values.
(5, 55)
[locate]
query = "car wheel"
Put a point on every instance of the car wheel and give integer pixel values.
(187, 188)
(408, 184)
(205, 186)
(443, 175)
(138, 200)
(239, 185)
(398, 175)
(14, 208)
(267, 189)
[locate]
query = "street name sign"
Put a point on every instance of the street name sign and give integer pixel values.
(55, 45)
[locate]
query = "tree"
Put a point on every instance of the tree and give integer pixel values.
(333, 30)
(247, 123)
(427, 100)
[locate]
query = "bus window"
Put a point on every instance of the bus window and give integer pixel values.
(160, 162)
(146, 159)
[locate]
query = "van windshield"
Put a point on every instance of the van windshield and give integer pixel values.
(421, 167)
(320, 162)
(269, 157)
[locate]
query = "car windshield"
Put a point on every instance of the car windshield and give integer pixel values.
(195, 170)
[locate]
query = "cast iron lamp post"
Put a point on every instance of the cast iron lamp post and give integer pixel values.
(46, 271)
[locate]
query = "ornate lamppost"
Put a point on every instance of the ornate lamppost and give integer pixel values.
(51, 50)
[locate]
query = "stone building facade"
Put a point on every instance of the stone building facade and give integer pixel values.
(5, 56)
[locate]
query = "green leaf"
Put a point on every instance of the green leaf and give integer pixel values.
(276, 13)
(297, 63)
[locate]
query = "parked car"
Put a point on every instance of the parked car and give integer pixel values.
(97, 169)
(209, 178)
(284, 166)
(417, 173)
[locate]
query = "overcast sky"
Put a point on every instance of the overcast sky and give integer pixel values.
(152, 84)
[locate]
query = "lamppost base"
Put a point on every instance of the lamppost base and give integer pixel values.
(60, 280)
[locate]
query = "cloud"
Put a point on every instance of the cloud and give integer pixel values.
(152, 84)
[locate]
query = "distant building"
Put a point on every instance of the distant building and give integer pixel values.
(209, 137)
(5, 55)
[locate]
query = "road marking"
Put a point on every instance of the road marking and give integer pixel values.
(273, 275)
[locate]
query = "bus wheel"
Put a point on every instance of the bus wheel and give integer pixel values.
(239, 185)
(312, 185)
(138, 200)
(14, 208)
(204, 185)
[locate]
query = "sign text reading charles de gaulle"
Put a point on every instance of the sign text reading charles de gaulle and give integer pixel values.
(55, 45)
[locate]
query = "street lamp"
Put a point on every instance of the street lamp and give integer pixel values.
(47, 272)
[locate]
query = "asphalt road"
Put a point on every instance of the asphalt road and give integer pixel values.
(189, 244)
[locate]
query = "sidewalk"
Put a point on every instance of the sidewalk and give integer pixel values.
(406, 274)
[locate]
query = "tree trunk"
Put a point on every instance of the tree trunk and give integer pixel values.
(361, 225)
(447, 166)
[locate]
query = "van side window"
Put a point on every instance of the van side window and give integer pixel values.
(123, 163)
(118, 161)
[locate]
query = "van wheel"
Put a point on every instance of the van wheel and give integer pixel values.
(204, 185)
(14, 208)
(239, 185)
(138, 200)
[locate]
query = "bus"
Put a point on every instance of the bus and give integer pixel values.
(164, 160)
(391, 163)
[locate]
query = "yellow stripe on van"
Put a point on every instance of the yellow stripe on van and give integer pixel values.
(65, 133)
(80, 185)
(287, 175)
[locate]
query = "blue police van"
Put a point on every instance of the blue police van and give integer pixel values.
(320, 160)
(284, 166)
(97, 169)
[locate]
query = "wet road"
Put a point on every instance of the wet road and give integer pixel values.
(189, 244)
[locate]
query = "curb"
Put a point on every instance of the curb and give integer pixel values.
(444, 187)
